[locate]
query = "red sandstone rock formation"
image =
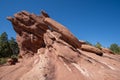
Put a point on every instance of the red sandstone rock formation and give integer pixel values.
(51, 52)
(93, 49)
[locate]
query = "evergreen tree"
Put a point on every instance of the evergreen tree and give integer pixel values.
(5, 50)
(115, 48)
(14, 46)
(8, 48)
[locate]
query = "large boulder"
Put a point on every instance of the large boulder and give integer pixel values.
(93, 49)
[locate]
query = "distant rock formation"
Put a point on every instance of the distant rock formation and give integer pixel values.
(50, 51)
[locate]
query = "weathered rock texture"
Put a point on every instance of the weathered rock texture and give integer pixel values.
(106, 50)
(49, 51)
(93, 49)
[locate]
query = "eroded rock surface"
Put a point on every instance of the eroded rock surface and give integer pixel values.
(51, 52)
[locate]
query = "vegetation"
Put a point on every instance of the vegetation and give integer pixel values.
(115, 48)
(8, 48)
(98, 45)
(3, 60)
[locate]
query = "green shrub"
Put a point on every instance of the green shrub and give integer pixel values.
(115, 48)
(3, 61)
(98, 45)
(14, 56)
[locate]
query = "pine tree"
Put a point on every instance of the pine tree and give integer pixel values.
(14, 46)
(115, 48)
(5, 50)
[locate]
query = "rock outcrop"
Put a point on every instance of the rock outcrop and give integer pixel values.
(106, 50)
(93, 49)
(50, 51)
(31, 30)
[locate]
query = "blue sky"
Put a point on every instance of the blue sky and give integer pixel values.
(91, 20)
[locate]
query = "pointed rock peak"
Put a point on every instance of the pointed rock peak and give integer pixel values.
(10, 19)
(44, 13)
